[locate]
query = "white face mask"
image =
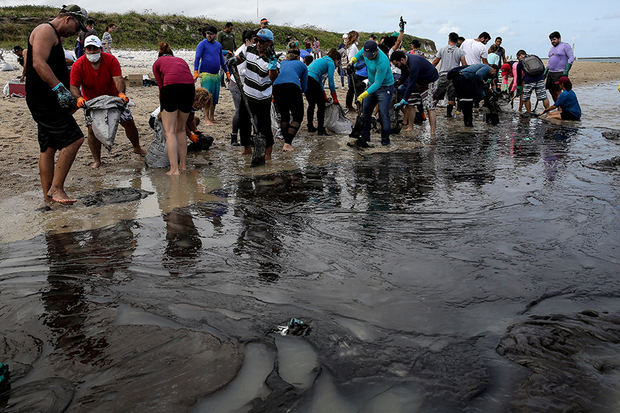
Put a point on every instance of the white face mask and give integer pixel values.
(93, 58)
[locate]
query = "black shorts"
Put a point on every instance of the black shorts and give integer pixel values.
(568, 116)
(57, 127)
(177, 97)
(553, 77)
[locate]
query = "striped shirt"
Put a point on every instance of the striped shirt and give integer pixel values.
(257, 84)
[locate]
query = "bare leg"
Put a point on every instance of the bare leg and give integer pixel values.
(46, 170)
(207, 113)
(546, 103)
(432, 120)
(169, 120)
(95, 148)
(411, 110)
(212, 114)
(181, 121)
(65, 160)
(528, 106)
(268, 153)
(556, 114)
(134, 137)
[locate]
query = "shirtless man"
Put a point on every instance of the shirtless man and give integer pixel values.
(51, 103)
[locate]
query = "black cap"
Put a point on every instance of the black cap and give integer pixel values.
(370, 47)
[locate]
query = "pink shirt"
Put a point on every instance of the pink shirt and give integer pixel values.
(170, 70)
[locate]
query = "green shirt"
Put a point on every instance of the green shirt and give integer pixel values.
(227, 40)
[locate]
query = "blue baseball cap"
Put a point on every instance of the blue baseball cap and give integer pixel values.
(265, 34)
(370, 48)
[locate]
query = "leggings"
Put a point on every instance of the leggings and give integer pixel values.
(315, 97)
(358, 82)
(261, 109)
(290, 104)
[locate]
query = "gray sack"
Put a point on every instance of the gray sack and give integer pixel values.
(105, 112)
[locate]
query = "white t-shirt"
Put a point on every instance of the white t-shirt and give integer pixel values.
(474, 51)
(352, 51)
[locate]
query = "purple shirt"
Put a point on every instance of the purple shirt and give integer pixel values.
(559, 56)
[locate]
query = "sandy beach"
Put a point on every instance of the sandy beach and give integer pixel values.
(20, 148)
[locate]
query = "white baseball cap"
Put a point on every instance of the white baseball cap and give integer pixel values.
(92, 40)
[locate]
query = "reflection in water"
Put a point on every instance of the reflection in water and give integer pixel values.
(78, 261)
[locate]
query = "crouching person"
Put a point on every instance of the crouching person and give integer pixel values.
(99, 74)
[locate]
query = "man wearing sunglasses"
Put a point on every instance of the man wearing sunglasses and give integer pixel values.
(51, 103)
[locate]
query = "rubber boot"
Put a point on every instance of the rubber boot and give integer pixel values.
(468, 117)
(449, 111)
(311, 128)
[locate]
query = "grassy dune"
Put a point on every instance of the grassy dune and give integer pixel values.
(145, 30)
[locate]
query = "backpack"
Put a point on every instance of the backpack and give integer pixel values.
(533, 66)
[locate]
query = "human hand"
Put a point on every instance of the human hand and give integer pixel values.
(335, 98)
(361, 97)
(273, 63)
(65, 99)
(400, 104)
(124, 97)
(196, 74)
(81, 102)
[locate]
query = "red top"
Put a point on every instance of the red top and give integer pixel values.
(98, 82)
(170, 70)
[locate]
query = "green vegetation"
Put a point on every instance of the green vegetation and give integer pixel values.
(146, 30)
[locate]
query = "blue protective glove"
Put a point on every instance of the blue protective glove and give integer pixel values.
(400, 104)
(273, 63)
(65, 98)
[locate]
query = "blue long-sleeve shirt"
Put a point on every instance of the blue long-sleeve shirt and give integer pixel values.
(421, 71)
(209, 57)
(293, 71)
(379, 71)
(321, 67)
(479, 72)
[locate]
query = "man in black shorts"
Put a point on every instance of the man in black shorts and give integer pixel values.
(51, 103)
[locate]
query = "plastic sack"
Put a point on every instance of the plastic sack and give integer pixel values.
(105, 112)
(336, 121)
(157, 154)
(275, 122)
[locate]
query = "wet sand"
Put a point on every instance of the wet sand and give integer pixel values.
(21, 194)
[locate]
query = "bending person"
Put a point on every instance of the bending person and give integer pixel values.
(287, 94)
(567, 104)
(325, 66)
(380, 90)
(176, 97)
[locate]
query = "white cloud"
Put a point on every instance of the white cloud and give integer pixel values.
(447, 28)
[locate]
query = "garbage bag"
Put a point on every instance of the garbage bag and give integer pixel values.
(275, 122)
(336, 121)
(105, 112)
(157, 154)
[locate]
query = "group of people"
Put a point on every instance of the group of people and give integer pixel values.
(383, 80)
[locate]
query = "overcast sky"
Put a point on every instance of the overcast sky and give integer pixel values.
(592, 25)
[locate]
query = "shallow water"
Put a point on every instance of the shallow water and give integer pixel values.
(446, 275)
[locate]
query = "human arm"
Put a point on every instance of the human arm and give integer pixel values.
(223, 62)
(23, 76)
(304, 79)
(331, 68)
(43, 38)
(159, 78)
(399, 41)
(197, 58)
(484, 60)
(383, 69)
(463, 61)
(549, 109)
(482, 73)
(436, 61)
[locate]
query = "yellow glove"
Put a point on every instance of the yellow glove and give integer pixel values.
(196, 74)
(353, 60)
(362, 96)
(81, 102)
(124, 97)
